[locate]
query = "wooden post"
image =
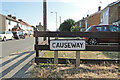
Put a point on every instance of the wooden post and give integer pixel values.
(56, 56)
(37, 51)
(48, 40)
(77, 58)
(45, 16)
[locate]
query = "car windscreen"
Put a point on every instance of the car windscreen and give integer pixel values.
(88, 29)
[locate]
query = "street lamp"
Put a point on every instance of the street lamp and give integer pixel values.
(56, 19)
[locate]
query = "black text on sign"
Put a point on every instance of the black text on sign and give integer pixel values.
(67, 45)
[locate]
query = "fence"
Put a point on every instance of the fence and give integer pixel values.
(74, 34)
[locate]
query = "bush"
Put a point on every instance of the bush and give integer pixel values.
(66, 25)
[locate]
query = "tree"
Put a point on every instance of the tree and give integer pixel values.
(75, 28)
(66, 25)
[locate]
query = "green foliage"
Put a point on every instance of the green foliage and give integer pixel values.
(75, 28)
(66, 25)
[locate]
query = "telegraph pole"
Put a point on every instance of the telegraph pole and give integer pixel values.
(45, 16)
(60, 23)
(56, 21)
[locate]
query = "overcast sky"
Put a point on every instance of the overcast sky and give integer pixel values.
(31, 11)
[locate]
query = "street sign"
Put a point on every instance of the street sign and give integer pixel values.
(68, 45)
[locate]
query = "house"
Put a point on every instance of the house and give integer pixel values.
(40, 27)
(11, 23)
(2, 23)
(27, 29)
(7, 22)
(81, 23)
(111, 13)
(93, 19)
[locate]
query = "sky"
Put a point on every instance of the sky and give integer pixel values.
(31, 11)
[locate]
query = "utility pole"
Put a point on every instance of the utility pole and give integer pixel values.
(60, 19)
(56, 21)
(45, 16)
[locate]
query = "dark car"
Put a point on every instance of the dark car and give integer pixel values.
(102, 28)
(18, 35)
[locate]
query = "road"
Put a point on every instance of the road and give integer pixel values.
(19, 62)
(15, 46)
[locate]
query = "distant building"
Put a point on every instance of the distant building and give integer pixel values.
(111, 13)
(7, 22)
(93, 19)
(81, 24)
(40, 27)
(11, 23)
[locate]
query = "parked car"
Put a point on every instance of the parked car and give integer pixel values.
(18, 35)
(102, 28)
(6, 35)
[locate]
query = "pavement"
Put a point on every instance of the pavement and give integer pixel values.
(17, 65)
(17, 58)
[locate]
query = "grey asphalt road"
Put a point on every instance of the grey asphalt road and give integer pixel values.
(20, 63)
(14, 46)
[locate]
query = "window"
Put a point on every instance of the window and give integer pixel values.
(114, 29)
(99, 28)
(104, 28)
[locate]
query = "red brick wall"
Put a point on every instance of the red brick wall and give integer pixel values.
(114, 13)
(94, 19)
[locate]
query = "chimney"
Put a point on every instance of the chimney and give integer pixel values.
(99, 8)
(14, 17)
(9, 15)
(19, 19)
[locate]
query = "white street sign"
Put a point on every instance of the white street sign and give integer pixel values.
(67, 45)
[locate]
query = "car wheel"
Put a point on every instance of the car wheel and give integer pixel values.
(23, 37)
(4, 39)
(92, 41)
